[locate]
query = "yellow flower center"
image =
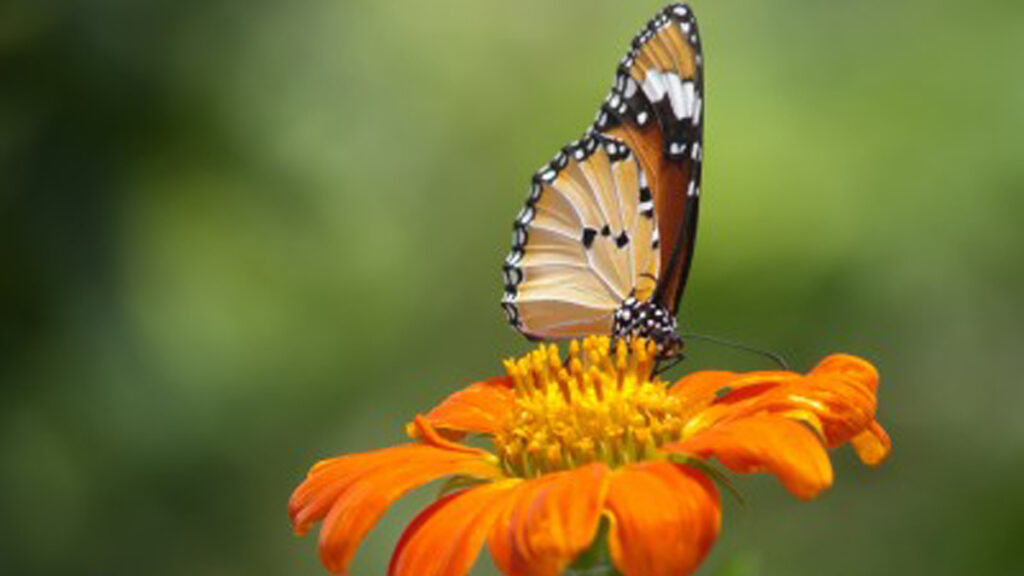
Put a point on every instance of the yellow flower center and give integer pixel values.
(600, 405)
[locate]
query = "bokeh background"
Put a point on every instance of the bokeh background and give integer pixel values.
(236, 237)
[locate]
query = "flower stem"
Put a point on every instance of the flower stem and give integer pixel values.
(596, 560)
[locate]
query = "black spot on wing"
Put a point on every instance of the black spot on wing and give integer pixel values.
(588, 237)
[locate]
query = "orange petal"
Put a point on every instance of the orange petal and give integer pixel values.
(857, 368)
(350, 493)
(664, 519)
(549, 522)
(702, 384)
(708, 395)
(481, 408)
(311, 501)
(844, 404)
(426, 433)
(445, 539)
(505, 540)
(772, 444)
(872, 445)
(837, 397)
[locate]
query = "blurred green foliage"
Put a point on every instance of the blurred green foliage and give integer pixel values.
(236, 237)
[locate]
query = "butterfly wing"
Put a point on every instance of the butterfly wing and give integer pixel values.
(586, 240)
(657, 108)
(614, 215)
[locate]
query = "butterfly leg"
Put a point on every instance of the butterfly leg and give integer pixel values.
(665, 364)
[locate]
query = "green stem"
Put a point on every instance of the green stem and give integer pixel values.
(596, 560)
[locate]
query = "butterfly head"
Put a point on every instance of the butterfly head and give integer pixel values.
(648, 319)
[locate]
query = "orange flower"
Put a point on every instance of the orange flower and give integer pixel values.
(594, 436)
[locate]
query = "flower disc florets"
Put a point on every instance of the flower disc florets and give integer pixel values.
(602, 404)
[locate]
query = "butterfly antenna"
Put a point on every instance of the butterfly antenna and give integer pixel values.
(776, 358)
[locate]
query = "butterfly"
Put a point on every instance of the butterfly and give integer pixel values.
(605, 240)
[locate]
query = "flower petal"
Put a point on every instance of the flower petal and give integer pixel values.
(838, 397)
(445, 539)
(664, 519)
(424, 431)
(857, 368)
(311, 501)
(481, 408)
(719, 385)
(550, 521)
(768, 443)
(351, 493)
(872, 445)
(702, 384)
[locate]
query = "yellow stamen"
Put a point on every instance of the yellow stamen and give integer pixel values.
(601, 404)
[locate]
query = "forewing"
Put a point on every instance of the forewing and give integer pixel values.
(657, 108)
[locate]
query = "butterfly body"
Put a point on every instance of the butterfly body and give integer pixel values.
(648, 319)
(605, 240)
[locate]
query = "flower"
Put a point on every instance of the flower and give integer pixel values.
(595, 436)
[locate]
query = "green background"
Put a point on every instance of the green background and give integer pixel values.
(236, 237)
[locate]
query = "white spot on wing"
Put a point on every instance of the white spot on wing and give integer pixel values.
(525, 215)
(654, 86)
(681, 96)
(631, 88)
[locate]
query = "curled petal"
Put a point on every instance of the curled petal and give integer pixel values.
(351, 493)
(664, 519)
(483, 408)
(424, 431)
(774, 444)
(856, 368)
(549, 522)
(872, 445)
(445, 539)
